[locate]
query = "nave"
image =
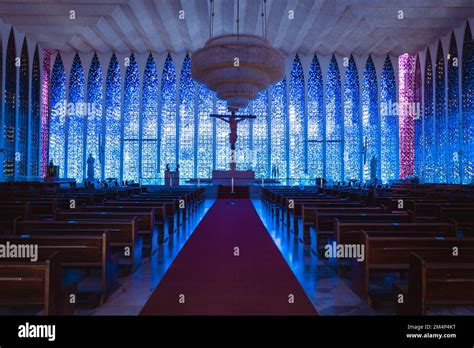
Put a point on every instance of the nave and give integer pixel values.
(191, 250)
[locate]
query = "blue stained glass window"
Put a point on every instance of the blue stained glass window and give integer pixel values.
(296, 118)
(186, 121)
(57, 130)
(370, 119)
(243, 153)
(149, 128)
(352, 124)
(334, 123)
(22, 159)
(94, 139)
(130, 118)
(112, 119)
(222, 138)
(35, 114)
(428, 120)
(418, 122)
(260, 135)
(10, 109)
(452, 157)
(75, 121)
(205, 132)
(467, 121)
(440, 118)
(316, 132)
(389, 123)
(168, 116)
(278, 124)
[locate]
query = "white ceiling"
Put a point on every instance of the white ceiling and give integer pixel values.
(319, 26)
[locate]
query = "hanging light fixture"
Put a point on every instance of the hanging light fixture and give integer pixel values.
(238, 66)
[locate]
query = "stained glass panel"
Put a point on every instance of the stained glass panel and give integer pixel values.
(352, 124)
(370, 119)
(334, 123)
(112, 120)
(75, 117)
(131, 114)
(186, 121)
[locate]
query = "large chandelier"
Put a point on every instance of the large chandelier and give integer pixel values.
(238, 66)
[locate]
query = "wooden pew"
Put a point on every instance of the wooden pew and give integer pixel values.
(145, 222)
(325, 221)
(347, 232)
(392, 255)
(463, 217)
(159, 213)
(124, 237)
(26, 283)
(171, 207)
(8, 213)
(84, 251)
(441, 279)
(308, 209)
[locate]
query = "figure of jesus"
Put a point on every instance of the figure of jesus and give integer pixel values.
(233, 121)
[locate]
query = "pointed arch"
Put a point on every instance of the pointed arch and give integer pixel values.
(35, 114)
(186, 121)
(296, 121)
(130, 121)
(45, 109)
(316, 129)
(418, 122)
(428, 119)
(94, 127)
(389, 127)
(75, 121)
(205, 132)
(467, 121)
(370, 119)
(10, 109)
(440, 117)
(278, 126)
(168, 116)
(149, 125)
(57, 120)
(112, 121)
(352, 124)
(24, 101)
(334, 123)
(406, 64)
(453, 126)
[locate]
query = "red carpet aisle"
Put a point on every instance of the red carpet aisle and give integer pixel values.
(215, 282)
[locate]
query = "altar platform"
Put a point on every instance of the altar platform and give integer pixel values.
(241, 177)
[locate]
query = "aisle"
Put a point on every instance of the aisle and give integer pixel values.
(208, 278)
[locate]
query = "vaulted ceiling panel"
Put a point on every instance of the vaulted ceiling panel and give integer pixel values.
(319, 26)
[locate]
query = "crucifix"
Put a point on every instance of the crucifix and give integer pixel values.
(233, 120)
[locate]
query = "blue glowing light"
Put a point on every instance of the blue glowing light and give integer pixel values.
(75, 116)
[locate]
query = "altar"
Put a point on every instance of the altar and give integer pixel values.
(241, 177)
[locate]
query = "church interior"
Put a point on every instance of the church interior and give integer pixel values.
(236, 158)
